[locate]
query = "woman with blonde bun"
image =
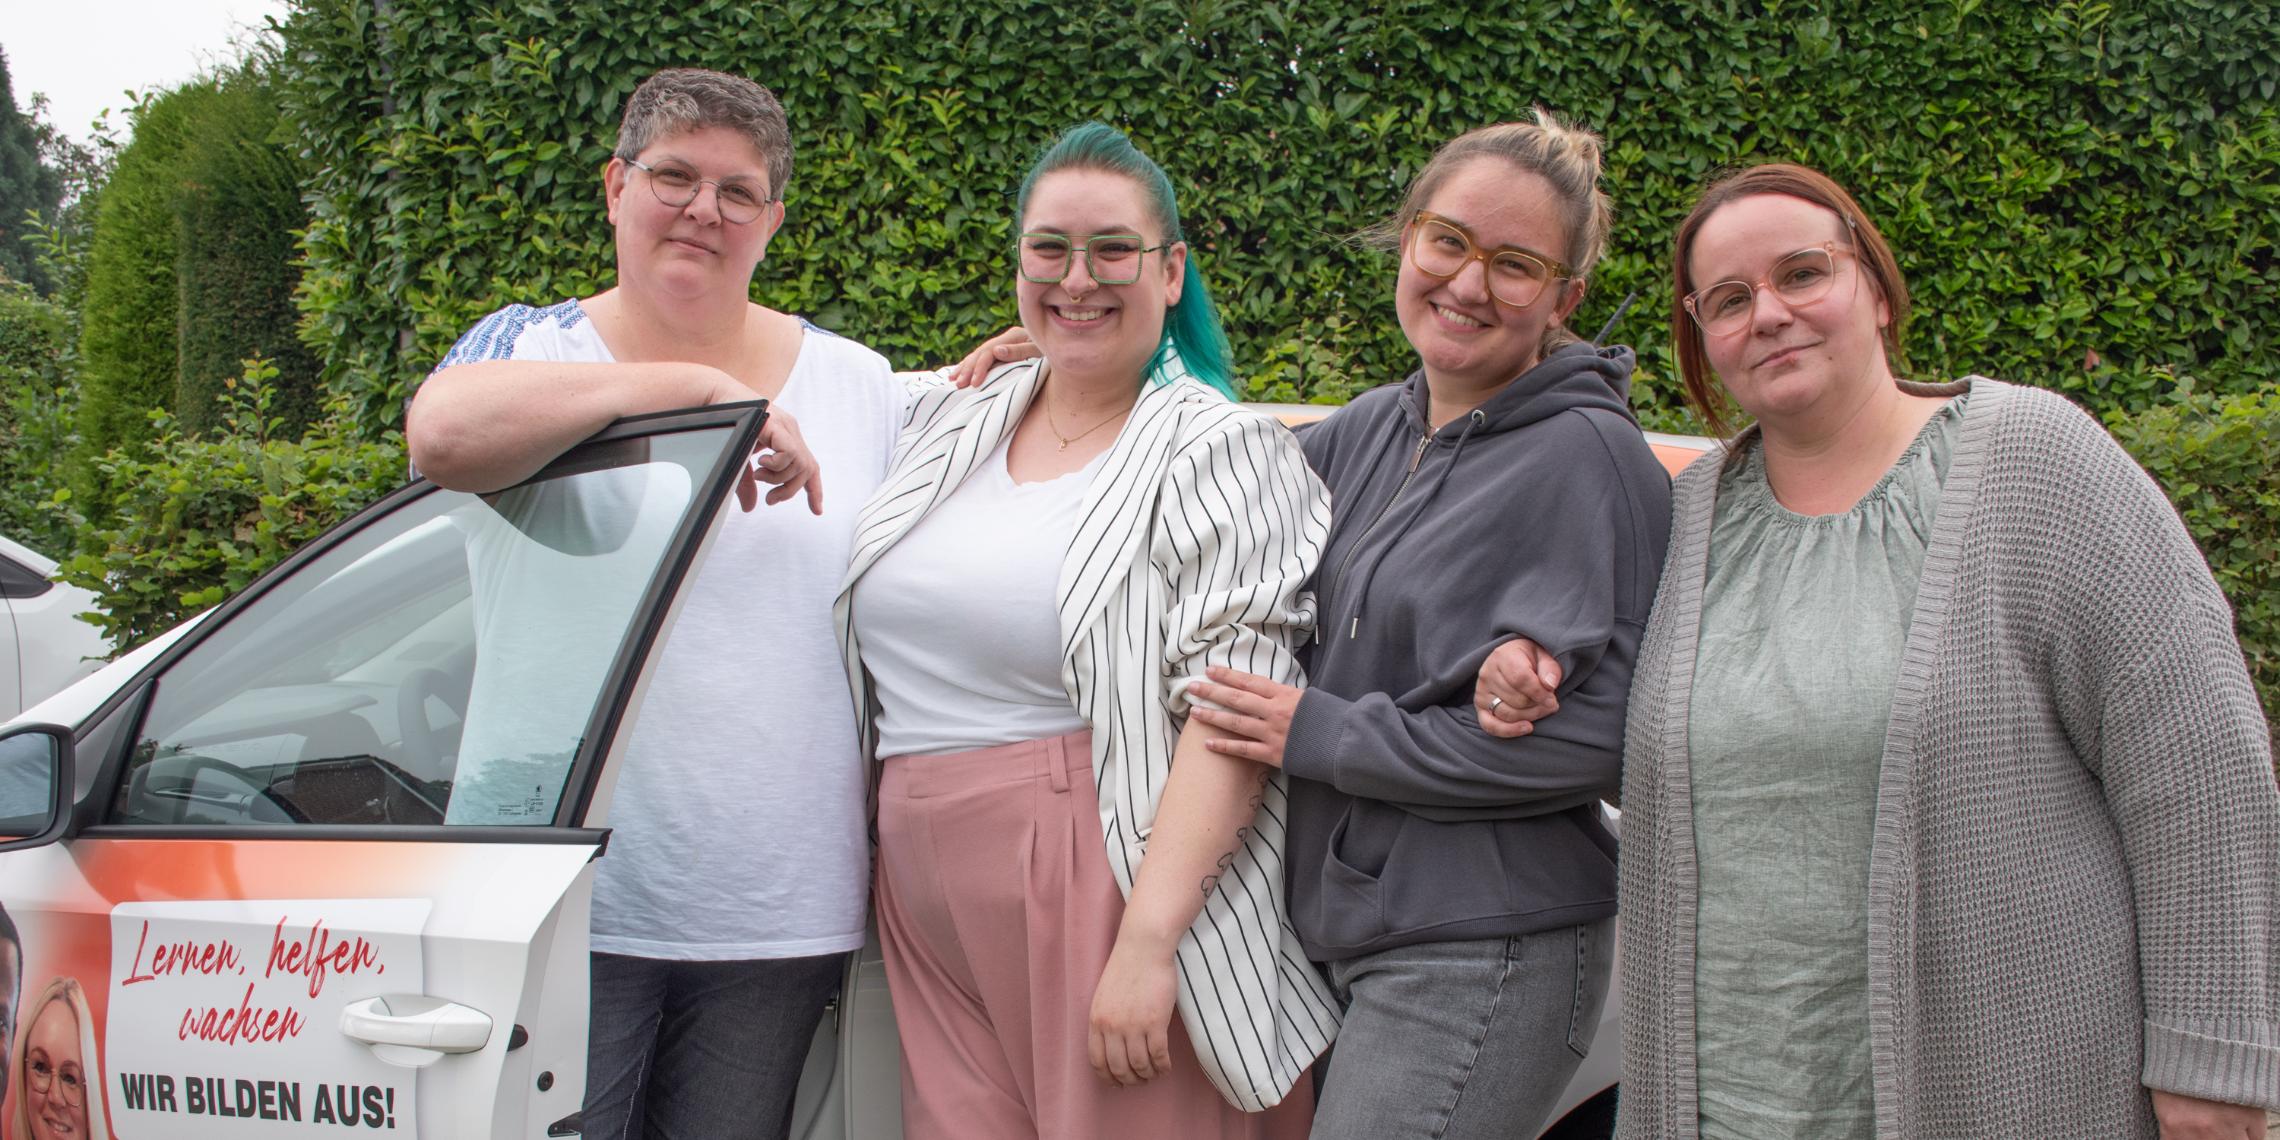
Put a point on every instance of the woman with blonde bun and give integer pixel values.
(1460, 887)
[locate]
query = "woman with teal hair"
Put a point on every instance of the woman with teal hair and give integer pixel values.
(1047, 807)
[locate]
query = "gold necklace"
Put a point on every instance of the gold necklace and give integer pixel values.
(1054, 426)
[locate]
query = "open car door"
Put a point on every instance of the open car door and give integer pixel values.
(325, 865)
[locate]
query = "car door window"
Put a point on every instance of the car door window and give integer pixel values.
(20, 581)
(440, 665)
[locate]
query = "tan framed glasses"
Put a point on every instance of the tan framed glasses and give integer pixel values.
(1800, 278)
(1441, 248)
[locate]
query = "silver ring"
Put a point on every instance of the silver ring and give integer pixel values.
(1493, 702)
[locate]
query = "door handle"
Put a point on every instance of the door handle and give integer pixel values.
(414, 1031)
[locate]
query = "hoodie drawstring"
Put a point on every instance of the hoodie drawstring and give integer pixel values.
(1474, 420)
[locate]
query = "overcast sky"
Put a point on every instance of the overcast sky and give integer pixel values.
(85, 54)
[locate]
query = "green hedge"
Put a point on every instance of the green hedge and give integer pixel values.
(2219, 459)
(238, 217)
(193, 266)
(2081, 192)
(32, 332)
(128, 350)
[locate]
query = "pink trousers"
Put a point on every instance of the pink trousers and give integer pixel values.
(996, 915)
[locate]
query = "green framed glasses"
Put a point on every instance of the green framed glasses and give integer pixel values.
(1111, 259)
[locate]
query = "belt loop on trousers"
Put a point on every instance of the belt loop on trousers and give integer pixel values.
(1057, 762)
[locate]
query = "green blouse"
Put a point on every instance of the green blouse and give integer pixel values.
(1803, 622)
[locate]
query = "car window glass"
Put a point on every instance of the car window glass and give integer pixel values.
(439, 666)
(20, 581)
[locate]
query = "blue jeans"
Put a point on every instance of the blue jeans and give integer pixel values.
(1454, 1040)
(700, 1050)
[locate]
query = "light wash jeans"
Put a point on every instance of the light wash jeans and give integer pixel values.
(700, 1050)
(1455, 1040)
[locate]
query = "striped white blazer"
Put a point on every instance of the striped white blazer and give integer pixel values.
(1193, 547)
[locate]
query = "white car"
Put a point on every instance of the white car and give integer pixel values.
(44, 643)
(228, 857)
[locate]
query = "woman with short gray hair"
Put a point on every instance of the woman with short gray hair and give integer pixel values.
(735, 883)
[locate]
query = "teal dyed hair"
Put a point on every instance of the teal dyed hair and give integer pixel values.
(1192, 331)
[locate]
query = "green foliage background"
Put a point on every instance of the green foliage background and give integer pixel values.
(237, 217)
(193, 267)
(26, 185)
(35, 416)
(195, 518)
(2219, 460)
(127, 341)
(2081, 193)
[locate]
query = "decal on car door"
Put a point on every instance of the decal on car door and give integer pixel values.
(225, 1016)
(232, 988)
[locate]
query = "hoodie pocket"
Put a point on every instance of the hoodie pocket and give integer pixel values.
(1352, 908)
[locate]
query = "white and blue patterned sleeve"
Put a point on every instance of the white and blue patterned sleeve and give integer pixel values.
(492, 338)
(510, 333)
(521, 332)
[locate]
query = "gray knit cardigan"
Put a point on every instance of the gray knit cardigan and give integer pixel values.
(2075, 878)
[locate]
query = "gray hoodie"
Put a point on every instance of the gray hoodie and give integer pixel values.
(1541, 514)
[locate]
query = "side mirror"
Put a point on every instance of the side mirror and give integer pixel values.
(35, 785)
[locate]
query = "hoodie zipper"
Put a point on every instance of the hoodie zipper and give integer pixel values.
(1416, 460)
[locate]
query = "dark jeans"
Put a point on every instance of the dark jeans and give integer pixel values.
(700, 1050)
(1463, 1039)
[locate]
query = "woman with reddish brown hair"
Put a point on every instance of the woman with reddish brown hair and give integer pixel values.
(1948, 806)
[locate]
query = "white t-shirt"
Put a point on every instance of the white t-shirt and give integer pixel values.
(958, 624)
(737, 824)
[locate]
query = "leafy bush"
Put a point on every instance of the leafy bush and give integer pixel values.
(194, 519)
(2219, 459)
(2080, 192)
(31, 332)
(35, 417)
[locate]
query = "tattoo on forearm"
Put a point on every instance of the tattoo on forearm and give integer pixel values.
(1226, 861)
(1242, 834)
